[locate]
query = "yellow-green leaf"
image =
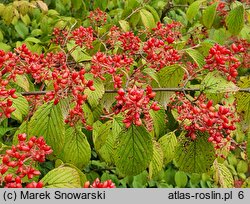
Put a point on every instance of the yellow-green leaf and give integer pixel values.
(168, 144)
(133, 150)
(208, 15)
(76, 149)
(222, 175)
(62, 177)
(235, 20)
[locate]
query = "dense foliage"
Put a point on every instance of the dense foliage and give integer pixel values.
(128, 93)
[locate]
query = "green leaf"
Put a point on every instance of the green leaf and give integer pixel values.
(94, 97)
(242, 167)
(235, 20)
(22, 107)
(21, 29)
(141, 180)
(196, 56)
(153, 12)
(214, 82)
(4, 47)
(147, 19)
(152, 73)
(124, 25)
(222, 175)
(133, 150)
(208, 15)
(243, 100)
(180, 179)
(33, 40)
(23, 82)
(62, 177)
(156, 164)
(76, 149)
(159, 122)
(168, 145)
(193, 10)
(78, 53)
(168, 77)
(48, 122)
(219, 35)
(104, 139)
(195, 156)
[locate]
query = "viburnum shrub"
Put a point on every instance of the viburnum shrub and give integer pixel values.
(134, 94)
(19, 162)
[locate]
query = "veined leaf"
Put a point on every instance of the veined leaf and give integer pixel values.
(196, 56)
(48, 122)
(156, 164)
(208, 15)
(168, 144)
(159, 122)
(124, 25)
(133, 150)
(147, 19)
(235, 20)
(62, 177)
(243, 100)
(22, 107)
(95, 96)
(222, 175)
(104, 140)
(193, 10)
(78, 53)
(168, 77)
(215, 83)
(195, 156)
(76, 149)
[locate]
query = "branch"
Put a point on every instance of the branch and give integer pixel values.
(175, 89)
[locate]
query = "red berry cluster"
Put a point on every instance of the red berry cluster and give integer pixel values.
(167, 32)
(60, 36)
(20, 160)
(97, 17)
(52, 67)
(98, 184)
(135, 105)
(130, 42)
(159, 55)
(242, 47)
(114, 34)
(222, 59)
(83, 37)
(204, 117)
(104, 64)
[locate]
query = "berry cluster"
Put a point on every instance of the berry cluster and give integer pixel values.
(98, 184)
(204, 117)
(20, 160)
(130, 42)
(60, 36)
(168, 33)
(104, 64)
(222, 59)
(135, 105)
(83, 37)
(97, 17)
(159, 55)
(242, 47)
